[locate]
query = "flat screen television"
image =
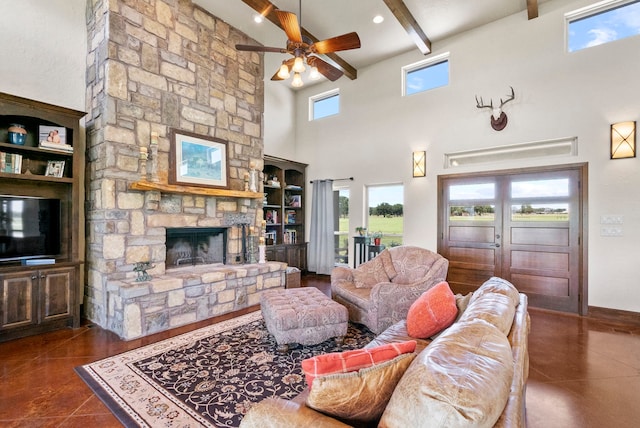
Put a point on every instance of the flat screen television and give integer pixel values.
(29, 228)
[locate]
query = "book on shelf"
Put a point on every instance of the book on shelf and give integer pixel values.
(10, 163)
(59, 147)
(290, 236)
(291, 217)
(271, 216)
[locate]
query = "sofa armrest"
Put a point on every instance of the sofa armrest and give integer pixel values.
(341, 273)
(277, 413)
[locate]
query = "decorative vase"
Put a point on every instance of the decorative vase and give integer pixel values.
(376, 241)
(17, 134)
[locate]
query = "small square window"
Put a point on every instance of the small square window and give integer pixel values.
(602, 23)
(325, 104)
(425, 75)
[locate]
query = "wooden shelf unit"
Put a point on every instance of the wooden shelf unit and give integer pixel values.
(34, 299)
(284, 211)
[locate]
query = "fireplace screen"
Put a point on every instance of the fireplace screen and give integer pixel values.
(191, 246)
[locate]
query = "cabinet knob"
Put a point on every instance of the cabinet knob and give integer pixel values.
(34, 277)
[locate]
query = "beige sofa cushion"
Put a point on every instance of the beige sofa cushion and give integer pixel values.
(461, 379)
(494, 302)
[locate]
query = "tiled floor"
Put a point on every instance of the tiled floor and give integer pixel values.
(583, 373)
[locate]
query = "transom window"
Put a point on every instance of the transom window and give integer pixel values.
(424, 75)
(324, 104)
(602, 23)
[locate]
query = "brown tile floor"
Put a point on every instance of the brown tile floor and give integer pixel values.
(584, 373)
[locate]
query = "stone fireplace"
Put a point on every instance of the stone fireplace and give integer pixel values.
(154, 66)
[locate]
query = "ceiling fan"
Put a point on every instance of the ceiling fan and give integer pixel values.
(304, 50)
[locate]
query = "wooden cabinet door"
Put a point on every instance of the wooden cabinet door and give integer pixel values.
(18, 300)
(56, 296)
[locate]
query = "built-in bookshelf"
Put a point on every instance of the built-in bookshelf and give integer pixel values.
(283, 209)
(41, 239)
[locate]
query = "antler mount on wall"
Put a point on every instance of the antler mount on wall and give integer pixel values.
(498, 117)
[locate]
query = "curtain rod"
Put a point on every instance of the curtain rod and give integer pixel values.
(334, 179)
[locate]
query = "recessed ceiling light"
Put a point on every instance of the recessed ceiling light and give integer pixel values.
(378, 19)
(258, 19)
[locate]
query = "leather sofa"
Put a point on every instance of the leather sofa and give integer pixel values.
(473, 374)
(378, 293)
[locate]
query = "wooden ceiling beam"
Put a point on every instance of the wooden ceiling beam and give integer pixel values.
(409, 23)
(267, 9)
(532, 9)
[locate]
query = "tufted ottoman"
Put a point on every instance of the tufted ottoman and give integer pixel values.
(302, 315)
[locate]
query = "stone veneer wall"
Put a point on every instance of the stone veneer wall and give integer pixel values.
(154, 65)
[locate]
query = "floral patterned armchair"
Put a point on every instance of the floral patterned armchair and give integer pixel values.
(378, 293)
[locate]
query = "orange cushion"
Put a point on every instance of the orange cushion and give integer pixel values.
(354, 360)
(434, 311)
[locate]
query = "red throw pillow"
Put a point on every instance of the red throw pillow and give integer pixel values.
(354, 360)
(434, 311)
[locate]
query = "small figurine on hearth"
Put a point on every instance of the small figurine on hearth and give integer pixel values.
(141, 269)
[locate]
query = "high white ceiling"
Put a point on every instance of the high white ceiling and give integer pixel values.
(328, 18)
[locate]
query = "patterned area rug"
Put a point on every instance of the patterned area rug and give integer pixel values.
(209, 377)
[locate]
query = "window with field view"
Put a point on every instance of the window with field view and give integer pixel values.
(385, 213)
(341, 229)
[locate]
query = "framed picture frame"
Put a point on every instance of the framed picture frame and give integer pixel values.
(294, 201)
(55, 169)
(52, 134)
(198, 160)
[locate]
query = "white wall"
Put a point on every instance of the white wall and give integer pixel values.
(43, 50)
(557, 95)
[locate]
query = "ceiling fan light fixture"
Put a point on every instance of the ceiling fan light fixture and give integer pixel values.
(314, 74)
(283, 73)
(297, 80)
(298, 65)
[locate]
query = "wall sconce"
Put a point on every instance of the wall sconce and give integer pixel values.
(623, 140)
(419, 164)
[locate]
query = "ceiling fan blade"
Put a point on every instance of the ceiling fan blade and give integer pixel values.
(289, 22)
(255, 48)
(326, 69)
(289, 64)
(338, 43)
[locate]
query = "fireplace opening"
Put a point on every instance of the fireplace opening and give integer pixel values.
(196, 245)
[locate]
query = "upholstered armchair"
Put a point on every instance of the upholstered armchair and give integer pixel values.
(378, 293)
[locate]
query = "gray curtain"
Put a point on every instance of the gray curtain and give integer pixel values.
(321, 240)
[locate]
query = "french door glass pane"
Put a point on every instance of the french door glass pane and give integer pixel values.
(475, 191)
(540, 188)
(482, 213)
(540, 212)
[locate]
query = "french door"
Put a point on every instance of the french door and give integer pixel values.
(525, 226)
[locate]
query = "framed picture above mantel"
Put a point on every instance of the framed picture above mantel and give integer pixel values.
(198, 160)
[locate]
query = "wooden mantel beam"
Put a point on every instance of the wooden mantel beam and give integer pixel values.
(408, 22)
(267, 9)
(532, 9)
